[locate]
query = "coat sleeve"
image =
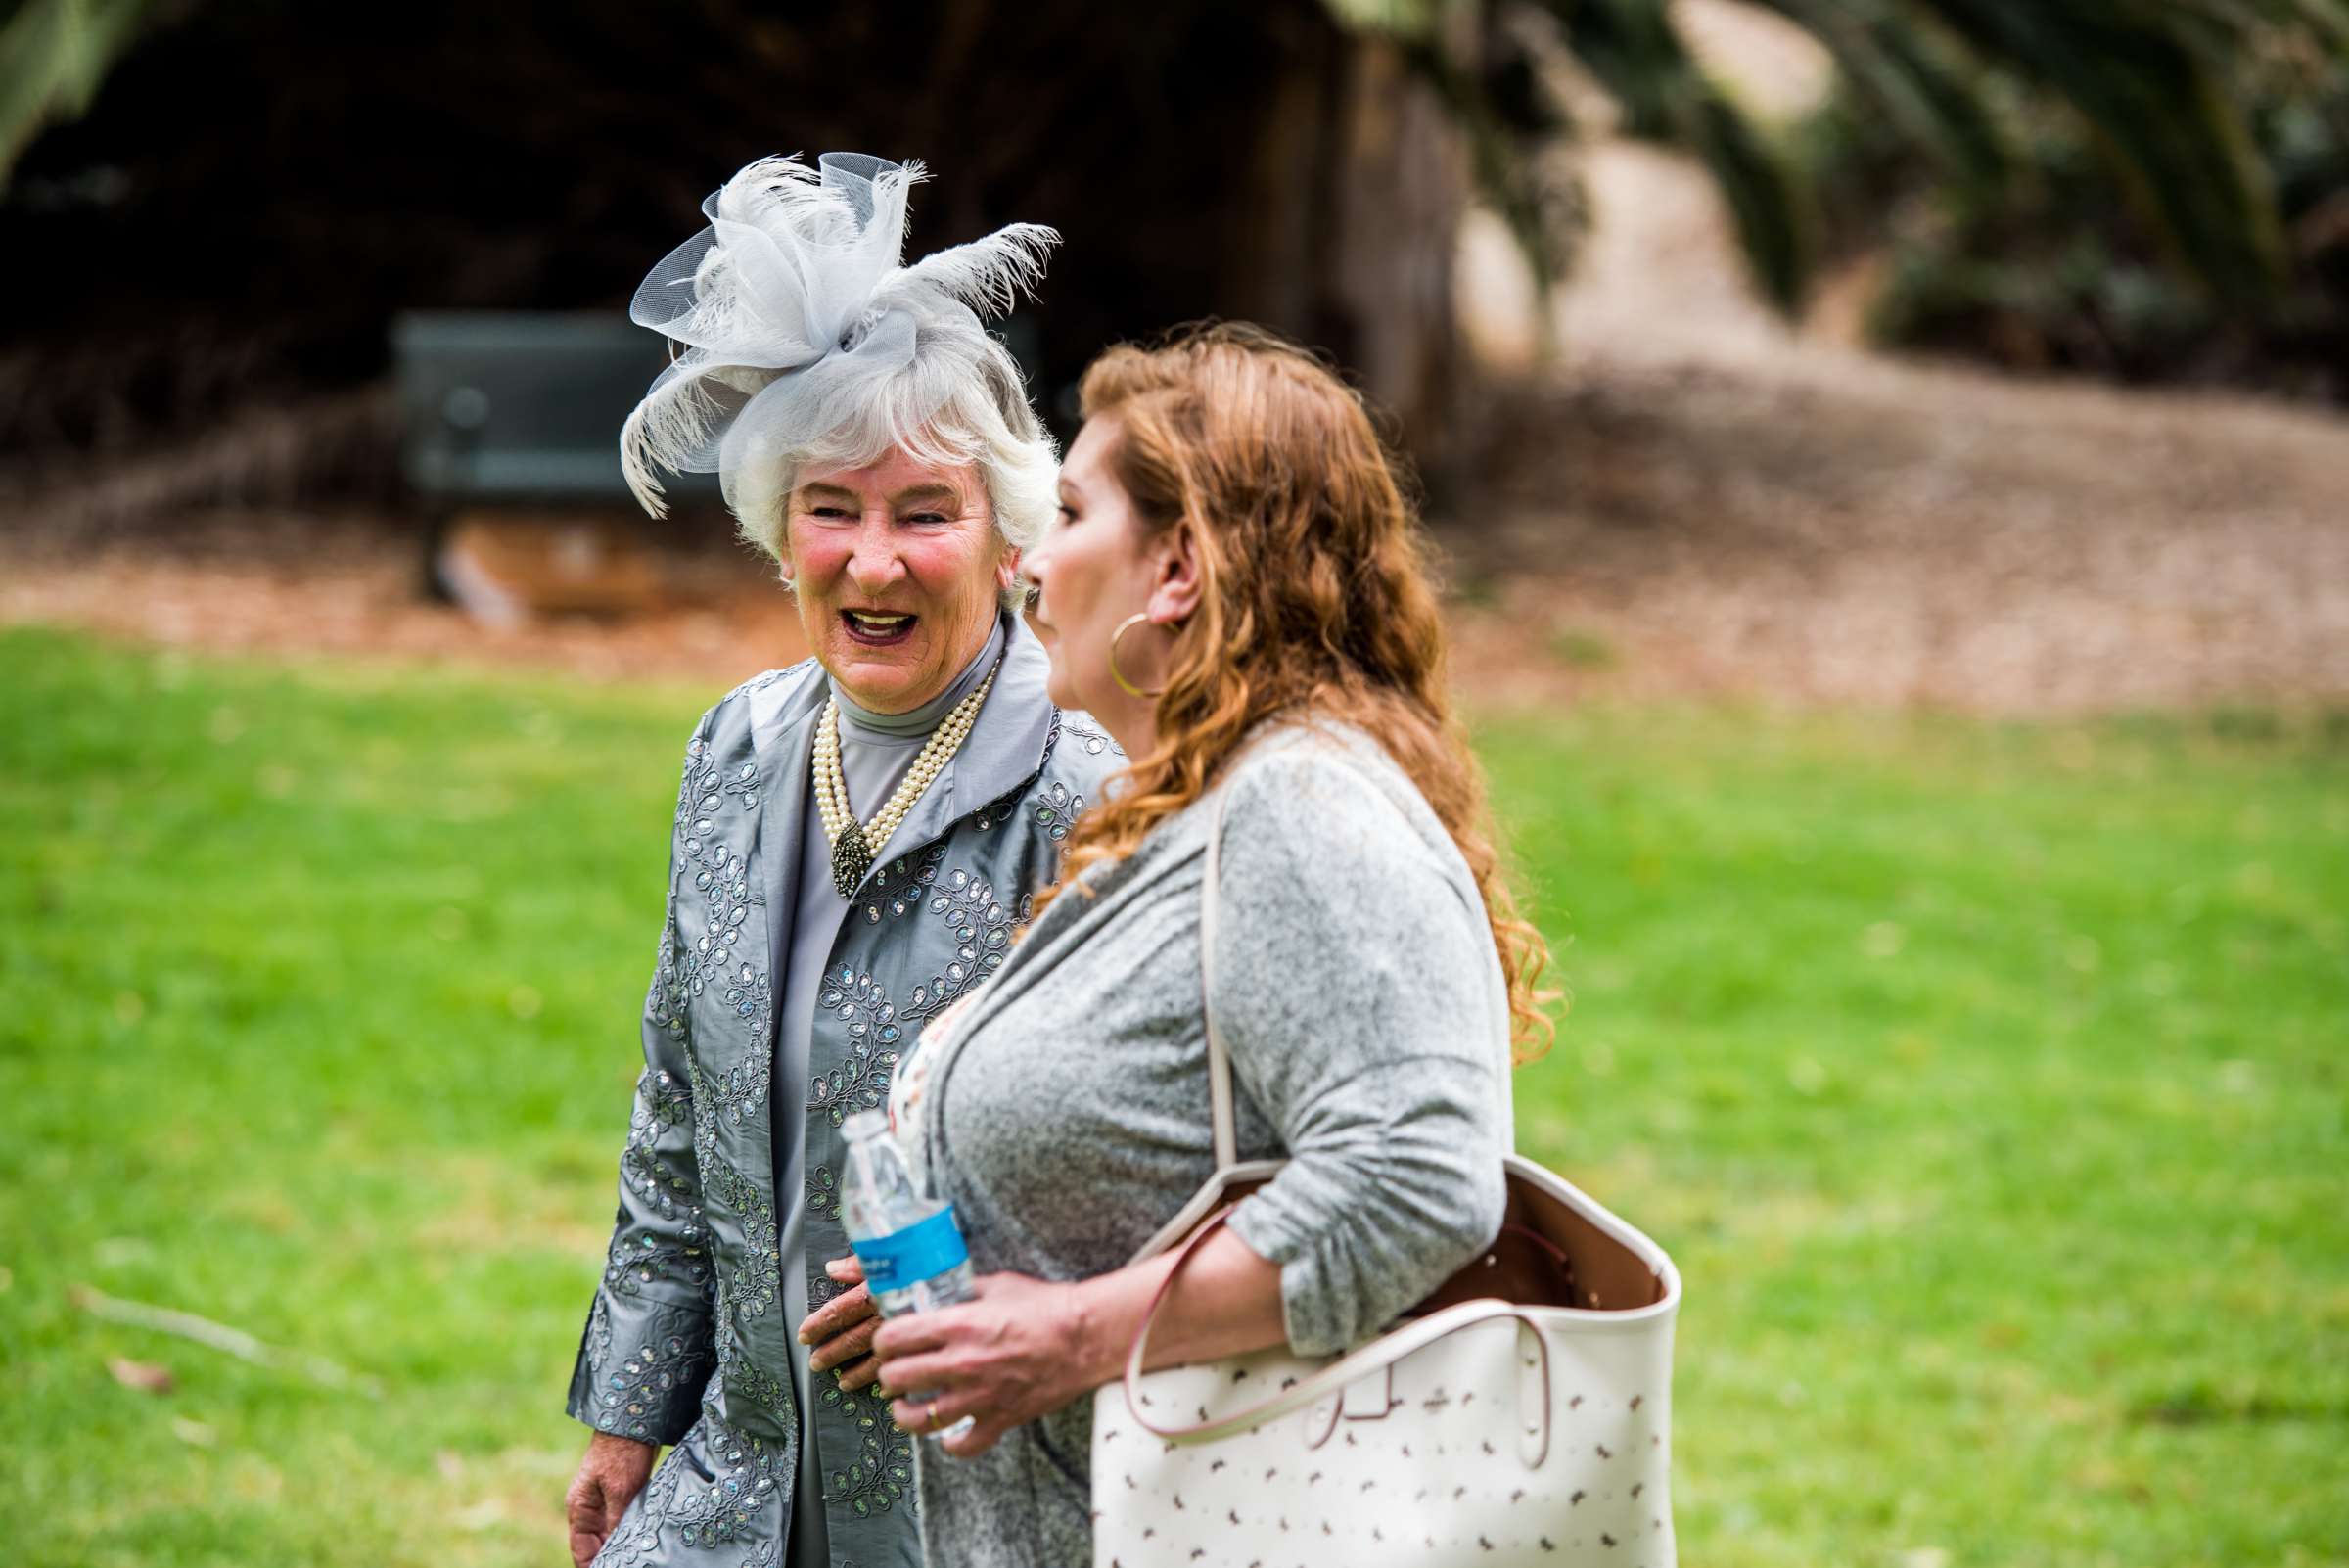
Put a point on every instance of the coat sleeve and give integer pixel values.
(649, 1343)
(1354, 986)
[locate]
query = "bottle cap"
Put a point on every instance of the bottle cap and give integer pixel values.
(865, 1125)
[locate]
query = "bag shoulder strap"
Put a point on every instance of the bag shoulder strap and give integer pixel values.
(1219, 1055)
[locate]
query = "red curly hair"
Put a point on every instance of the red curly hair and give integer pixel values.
(1315, 598)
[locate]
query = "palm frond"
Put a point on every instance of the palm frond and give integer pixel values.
(53, 55)
(2161, 107)
(1912, 77)
(1632, 49)
(2235, 20)
(1636, 53)
(1760, 195)
(1505, 133)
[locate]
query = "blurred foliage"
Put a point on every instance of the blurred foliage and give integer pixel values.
(1494, 63)
(53, 55)
(2168, 106)
(1633, 49)
(2040, 260)
(342, 163)
(258, 186)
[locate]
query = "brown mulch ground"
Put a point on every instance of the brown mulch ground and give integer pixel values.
(288, 585)
(1709, 502)
(1858, 532)
(1837, 533)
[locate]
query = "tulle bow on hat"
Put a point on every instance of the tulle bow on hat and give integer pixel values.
(793, 307)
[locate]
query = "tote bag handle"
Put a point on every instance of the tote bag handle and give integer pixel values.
(1331, 1382)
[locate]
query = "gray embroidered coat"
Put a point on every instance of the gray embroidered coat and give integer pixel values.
(687, 1340)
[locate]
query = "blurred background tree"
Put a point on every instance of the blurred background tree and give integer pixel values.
(257, 187)
(2088, 185)
(2036, 259)
(223, 204)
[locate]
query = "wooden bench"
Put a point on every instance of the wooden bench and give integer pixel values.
(510, 439)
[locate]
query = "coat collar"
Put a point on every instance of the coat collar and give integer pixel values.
(1003, 751)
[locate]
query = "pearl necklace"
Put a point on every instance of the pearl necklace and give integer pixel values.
(856, 846)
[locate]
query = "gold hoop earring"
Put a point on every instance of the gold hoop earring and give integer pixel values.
(1118, 676)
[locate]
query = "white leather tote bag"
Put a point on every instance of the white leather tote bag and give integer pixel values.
(1521, 1415)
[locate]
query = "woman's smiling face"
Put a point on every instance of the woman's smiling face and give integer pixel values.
(898, 569)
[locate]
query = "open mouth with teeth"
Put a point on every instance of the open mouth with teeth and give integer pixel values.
(878, 628)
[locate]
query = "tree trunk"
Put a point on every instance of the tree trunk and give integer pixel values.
(1345, 237)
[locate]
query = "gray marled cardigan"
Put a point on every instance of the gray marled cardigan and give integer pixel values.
(1367, 1018)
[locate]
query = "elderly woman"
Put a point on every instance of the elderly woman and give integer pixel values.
(1236, 589)
(856, 837)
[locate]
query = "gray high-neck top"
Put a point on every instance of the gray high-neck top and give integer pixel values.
(876, 751)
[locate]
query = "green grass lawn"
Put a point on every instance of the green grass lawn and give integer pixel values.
(1988, 1081)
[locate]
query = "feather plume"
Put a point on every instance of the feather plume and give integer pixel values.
(794, 299)
(676, 421)
(818, 243)
(991, 274)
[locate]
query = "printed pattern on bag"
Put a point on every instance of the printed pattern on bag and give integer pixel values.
(1419, 1481)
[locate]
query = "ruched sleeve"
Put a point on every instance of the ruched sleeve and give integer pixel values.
(1358, 989)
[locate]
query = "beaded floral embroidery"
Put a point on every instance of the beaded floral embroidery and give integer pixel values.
(899, 887)
(755, 1287)
(744, 1475)
(823, 1193)
(635, 1390)
(880, 1476)
(1057, 809)
(860, 1082)
(637, 1256)
(983, 930)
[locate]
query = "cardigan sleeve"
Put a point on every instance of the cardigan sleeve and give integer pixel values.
(1356, 985)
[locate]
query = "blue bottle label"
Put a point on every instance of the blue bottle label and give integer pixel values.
(905, 1258)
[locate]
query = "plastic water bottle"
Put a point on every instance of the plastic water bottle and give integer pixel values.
(911, 1251)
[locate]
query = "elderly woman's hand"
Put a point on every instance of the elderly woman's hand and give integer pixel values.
(614, 1471)
(842, 1329)
(1020, 1350)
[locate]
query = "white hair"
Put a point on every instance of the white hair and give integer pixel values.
(981, 415)
(806, 342)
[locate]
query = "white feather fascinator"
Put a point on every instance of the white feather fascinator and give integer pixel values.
(803, 333)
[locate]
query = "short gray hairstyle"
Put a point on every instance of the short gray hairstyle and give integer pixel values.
(981, 414)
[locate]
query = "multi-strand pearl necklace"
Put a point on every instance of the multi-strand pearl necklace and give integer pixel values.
(856, 846)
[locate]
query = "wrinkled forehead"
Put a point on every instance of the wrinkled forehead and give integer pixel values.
(896, 476)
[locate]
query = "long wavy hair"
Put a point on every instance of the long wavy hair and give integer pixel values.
(1315, 598)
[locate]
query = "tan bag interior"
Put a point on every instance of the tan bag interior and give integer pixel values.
(1549, 1255)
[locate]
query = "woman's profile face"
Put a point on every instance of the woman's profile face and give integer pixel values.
(897, 569)
(1091, 572)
